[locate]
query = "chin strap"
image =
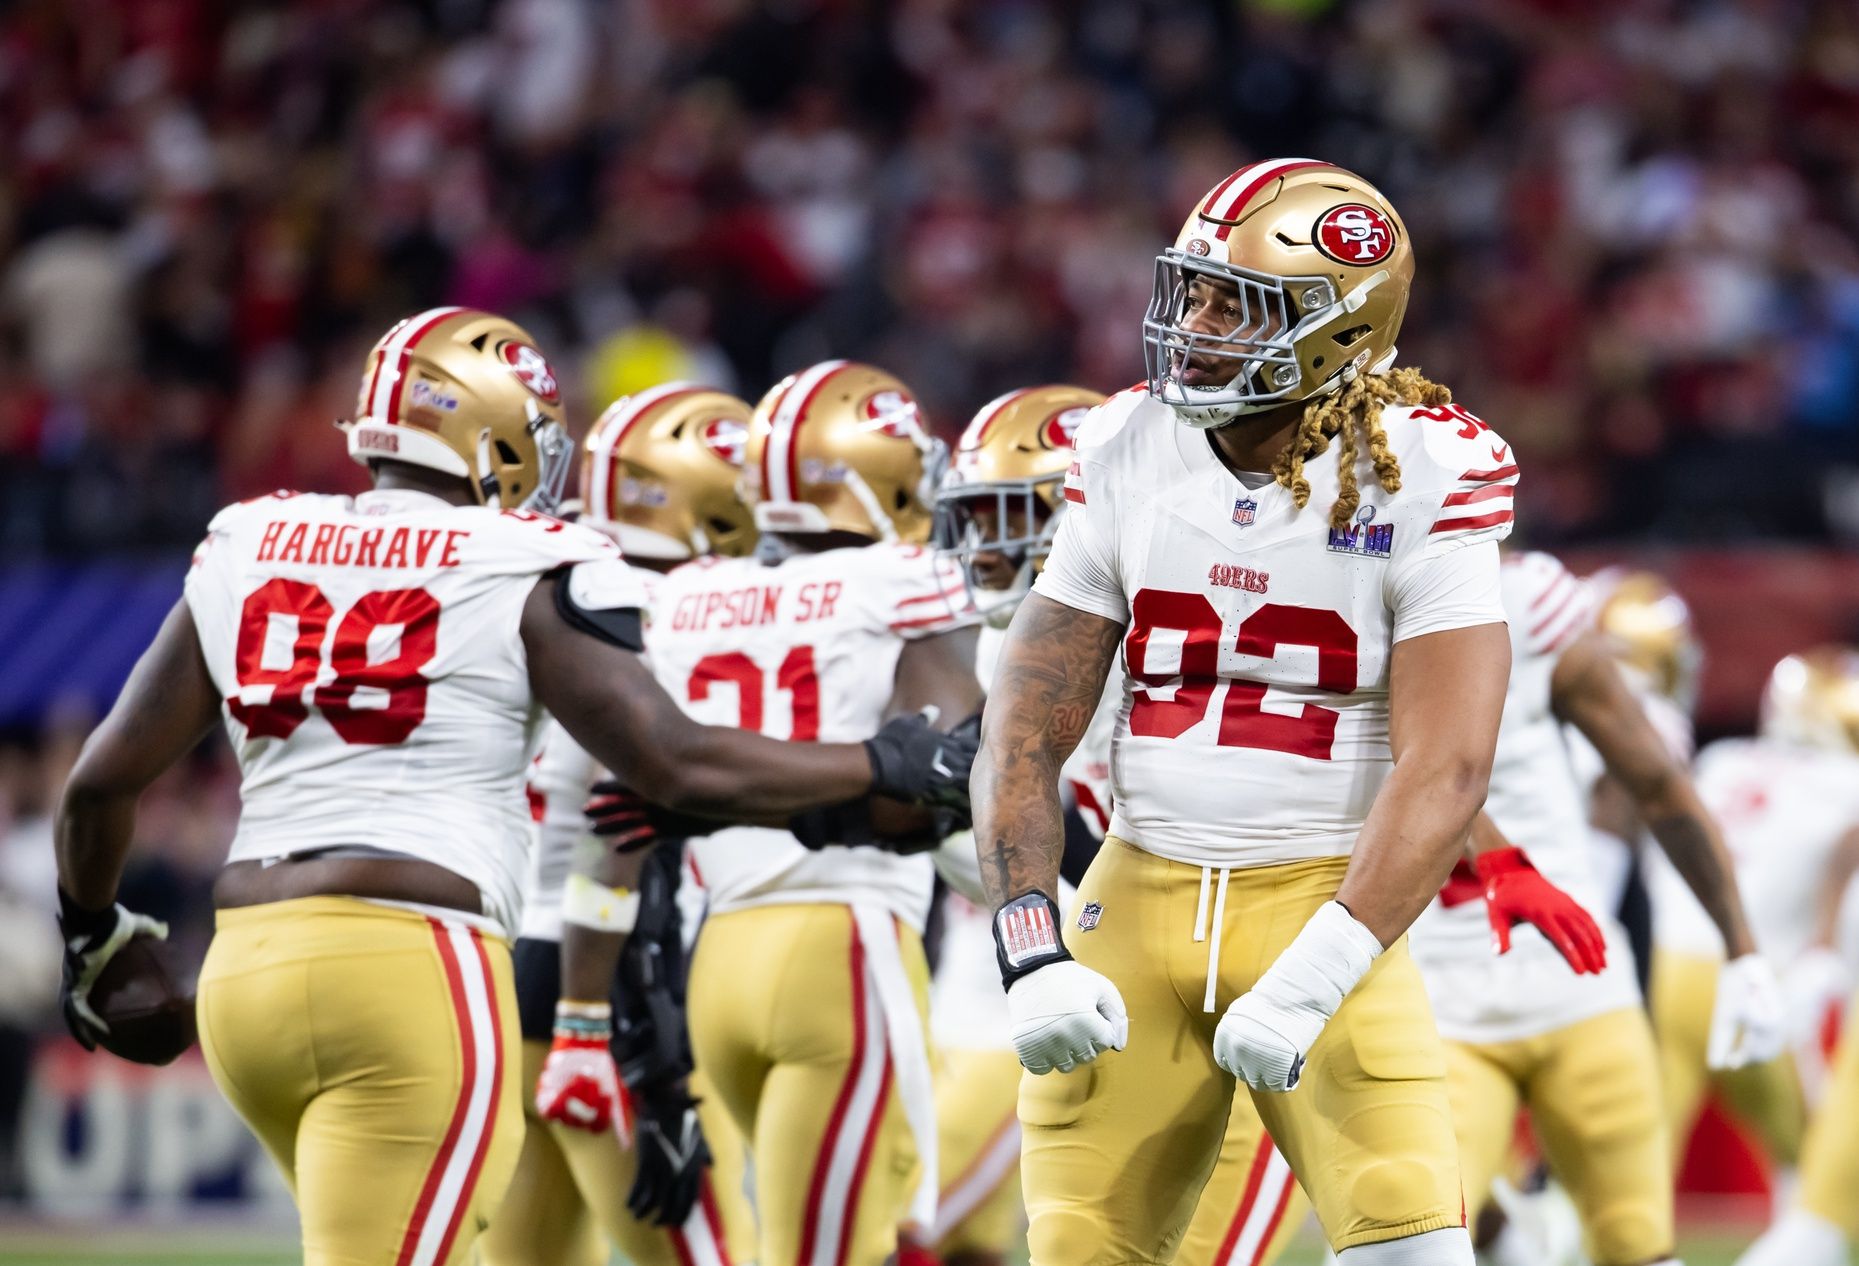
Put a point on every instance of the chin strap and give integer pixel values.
(887, 531)
(488, 487)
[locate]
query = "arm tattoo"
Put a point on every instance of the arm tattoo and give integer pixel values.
(1046, 690)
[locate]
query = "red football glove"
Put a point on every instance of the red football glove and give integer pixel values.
(579, 1087)
(1516, 892)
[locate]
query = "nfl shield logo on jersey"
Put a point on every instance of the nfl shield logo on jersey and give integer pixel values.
(1089, 915)
(1245, 510)
(1364, 536)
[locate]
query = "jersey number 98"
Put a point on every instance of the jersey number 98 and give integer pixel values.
(293, 686)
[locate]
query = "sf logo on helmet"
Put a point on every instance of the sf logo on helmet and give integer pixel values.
(728, 438)
(1354, 234)
(893, 413)
(1062, 426)
(531, 370)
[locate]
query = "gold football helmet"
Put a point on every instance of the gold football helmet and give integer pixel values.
(661, 469)
(1320, 265)
(1005, 488)
(466, 393)
(1812, 699)
(841, 447)
(1648, 626)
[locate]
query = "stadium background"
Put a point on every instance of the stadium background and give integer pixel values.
(1635, 223)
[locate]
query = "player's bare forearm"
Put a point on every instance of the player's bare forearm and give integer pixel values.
(1588, 692)
(1484, 837)
(165, 708)
(1046, 688)
(1697, 852)
(590, 956)
(1446, 693)
(610, 703)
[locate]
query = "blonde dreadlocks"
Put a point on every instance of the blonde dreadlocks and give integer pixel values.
(1351, 413)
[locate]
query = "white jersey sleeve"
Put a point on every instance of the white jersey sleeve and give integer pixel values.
(375, 686)
(1082, 571)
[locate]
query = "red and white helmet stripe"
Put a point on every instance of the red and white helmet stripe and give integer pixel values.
(1230, 196)
(608, 434)
(780, 455)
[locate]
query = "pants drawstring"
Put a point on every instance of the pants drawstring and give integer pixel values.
(1219, 925)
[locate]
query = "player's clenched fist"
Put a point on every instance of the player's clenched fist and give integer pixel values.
(579, 1086)
(1265, 1034)
(1063, 1013)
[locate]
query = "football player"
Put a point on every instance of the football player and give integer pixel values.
(1294, 543)
(997, 512)
(382, 663)
(1791, 805)
(1647, 626)
(659, 475)
(807, 987)
(1570, 1041)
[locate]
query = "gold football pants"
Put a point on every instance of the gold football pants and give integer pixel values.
(568, 1199)
(1118, 1151)
(1764, 1097)
(1592, 1089)
(374, 1052)
(787, 1026)
(1252, 1206)
(978, 1206)
(1830, 1155)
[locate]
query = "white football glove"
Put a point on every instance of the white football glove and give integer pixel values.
(1748, 1023)
(1065, 1014)
(1265, 1034)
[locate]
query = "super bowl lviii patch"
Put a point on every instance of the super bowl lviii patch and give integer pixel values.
(1364, 536)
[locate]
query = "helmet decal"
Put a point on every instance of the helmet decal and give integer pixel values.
(1062, 426)
(1354, 234)
(531, 369)
(728, 438)
(1198, 246)
(893, 412)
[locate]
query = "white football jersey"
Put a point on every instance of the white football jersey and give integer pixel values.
(1536, 801)
(559, 778)
(376, 689)
(1782, 810)
(802, 649)
(1254, 725)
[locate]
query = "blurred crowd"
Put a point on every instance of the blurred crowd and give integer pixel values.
(1635, 219)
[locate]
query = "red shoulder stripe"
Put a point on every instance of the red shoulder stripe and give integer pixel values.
(1481, 521)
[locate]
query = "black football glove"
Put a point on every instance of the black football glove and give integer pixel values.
(92, 938)
(630, 822)
(672, 1155)
(914, 762)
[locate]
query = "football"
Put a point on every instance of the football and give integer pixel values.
(147, 998)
